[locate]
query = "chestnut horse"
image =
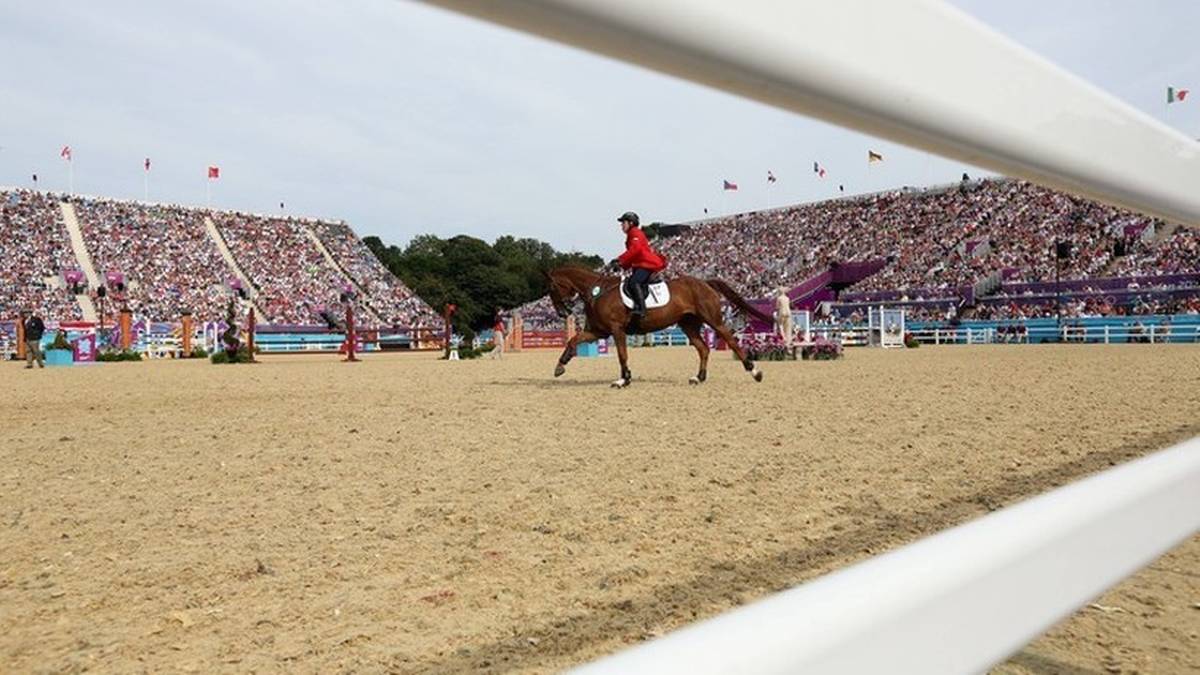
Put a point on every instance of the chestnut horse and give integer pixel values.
(693, 304)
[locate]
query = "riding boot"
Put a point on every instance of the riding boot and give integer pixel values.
(637, 293)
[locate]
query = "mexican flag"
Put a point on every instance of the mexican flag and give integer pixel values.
(1176, 95)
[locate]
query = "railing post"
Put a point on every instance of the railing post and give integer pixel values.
(1106, 334)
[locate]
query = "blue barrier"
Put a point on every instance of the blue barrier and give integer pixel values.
(1184, 328)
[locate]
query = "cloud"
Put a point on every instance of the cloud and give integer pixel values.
(404, 119)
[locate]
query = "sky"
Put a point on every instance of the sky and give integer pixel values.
(404, 119)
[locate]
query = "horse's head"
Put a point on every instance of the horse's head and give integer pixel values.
(562, 293)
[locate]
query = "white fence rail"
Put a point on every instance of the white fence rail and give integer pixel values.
(959, 601)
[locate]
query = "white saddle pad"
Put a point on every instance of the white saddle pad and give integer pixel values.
(657, 295)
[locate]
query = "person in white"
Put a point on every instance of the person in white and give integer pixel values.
(783, 316)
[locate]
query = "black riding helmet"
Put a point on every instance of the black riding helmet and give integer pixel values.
(629, 217)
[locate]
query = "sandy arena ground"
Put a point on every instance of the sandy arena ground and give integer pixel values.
(410, 515)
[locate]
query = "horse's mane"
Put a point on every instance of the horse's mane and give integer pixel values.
(605, 281)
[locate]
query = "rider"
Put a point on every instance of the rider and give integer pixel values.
(640, 258)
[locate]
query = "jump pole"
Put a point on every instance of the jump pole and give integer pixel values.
(250, 324)
(187, 329)
(126, 329)
(351, 338)
(20, 338)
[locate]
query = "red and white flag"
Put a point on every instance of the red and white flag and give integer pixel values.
(66, 153)
(214, 172)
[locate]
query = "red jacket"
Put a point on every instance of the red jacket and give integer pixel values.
(638, 254)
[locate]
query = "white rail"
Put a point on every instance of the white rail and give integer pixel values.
(908, 71)
(959, 601)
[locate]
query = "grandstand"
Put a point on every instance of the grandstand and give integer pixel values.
(978, 248)
(36, 254)
(171, 259)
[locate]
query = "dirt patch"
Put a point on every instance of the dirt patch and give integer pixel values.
(410, 515)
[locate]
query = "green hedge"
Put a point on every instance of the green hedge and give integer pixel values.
(118, 355)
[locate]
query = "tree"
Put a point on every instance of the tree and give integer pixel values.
(478, 277)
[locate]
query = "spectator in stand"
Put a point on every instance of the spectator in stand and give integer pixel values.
(34, 329)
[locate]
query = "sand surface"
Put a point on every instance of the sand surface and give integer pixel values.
(409, 515)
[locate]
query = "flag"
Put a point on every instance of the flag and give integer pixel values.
(873, 157)
(214, 172)
(65, 153)
(1176, 95)
(818, 169)
(147, 164)
(730, 186)
(35, 179)
(770, 177)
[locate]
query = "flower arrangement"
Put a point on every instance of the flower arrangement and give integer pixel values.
(822, 349)
(910, 341)
(767, 348)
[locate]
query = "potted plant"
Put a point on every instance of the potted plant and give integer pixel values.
(60, 352)
(822, 350)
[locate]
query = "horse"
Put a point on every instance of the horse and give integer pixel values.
(693, 304)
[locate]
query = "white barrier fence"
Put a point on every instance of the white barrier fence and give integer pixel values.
(985, 588)
(962, 600)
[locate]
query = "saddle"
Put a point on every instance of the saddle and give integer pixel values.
(657, 293)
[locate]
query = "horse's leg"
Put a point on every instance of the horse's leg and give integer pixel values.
(691, 326)
(569, 351)
(623, 355)
(727, 335)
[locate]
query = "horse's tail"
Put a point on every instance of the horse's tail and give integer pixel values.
(737, 300)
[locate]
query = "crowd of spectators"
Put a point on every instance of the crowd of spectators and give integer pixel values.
(34, 252)
(169, 263)
(387, 296)
(937, 240)
(294, 284)
(540, 315)
(1083, 307)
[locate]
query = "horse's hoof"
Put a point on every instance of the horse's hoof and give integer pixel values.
(693, 380)
(757, 375)
(559, 370)
(620, 384)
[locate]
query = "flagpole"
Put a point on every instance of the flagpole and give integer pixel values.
(208, 194)
(146, 185)
(71, 176)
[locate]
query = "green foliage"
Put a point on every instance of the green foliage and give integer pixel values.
(222, 356)
(477, 277)
(469, 353)
(112, 355)
(198, 353)
(60, 341)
